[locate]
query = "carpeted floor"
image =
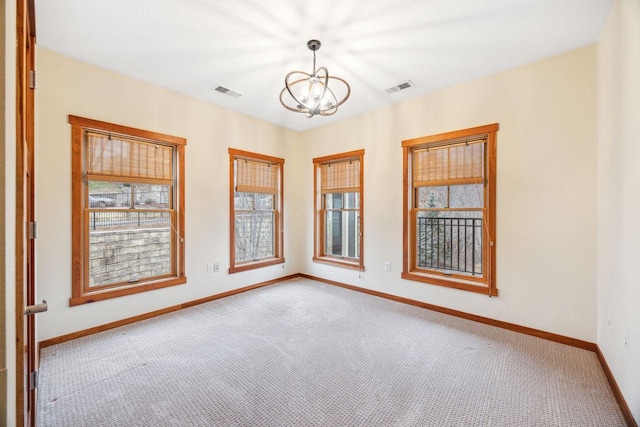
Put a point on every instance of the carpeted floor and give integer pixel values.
(303, 353)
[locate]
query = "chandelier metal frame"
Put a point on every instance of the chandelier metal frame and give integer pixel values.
(320, 99)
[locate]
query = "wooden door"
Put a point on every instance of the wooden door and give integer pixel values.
(26, 350)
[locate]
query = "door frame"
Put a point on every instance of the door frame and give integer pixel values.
(25, 247)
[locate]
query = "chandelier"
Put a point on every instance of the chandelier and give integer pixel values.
(310, 93)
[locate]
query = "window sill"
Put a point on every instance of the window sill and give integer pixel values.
(256, 264)
(339, 263)
(478, 287)
(94, 296)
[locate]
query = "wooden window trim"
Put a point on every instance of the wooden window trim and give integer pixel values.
(486, 285)
(80, 294)
(237, 267)
(318, 220)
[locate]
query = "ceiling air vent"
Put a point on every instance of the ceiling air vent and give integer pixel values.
(226, 91)
(397, 88)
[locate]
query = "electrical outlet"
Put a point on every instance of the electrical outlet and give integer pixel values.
(387, 266)
(210, 268)
(216, 266)
(361, 276)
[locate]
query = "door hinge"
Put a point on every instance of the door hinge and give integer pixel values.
(33, 380)
(32, 79)
(33, 230)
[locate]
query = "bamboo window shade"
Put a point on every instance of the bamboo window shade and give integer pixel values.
(341, 177)
(449, 165)
(256, 177)
(114, 158)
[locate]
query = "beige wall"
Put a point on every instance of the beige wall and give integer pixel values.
(7, 211)
(546, 201)
(619, 197)
(66, 86)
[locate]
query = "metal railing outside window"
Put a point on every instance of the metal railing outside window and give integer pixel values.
(450, 244)
(119, 220)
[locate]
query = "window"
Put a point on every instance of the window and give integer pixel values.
(256, 210)
(450, 204)
(128, 210)
(338, 189)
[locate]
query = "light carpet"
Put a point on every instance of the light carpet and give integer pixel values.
(304, 353)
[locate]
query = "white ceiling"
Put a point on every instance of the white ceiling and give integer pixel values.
(250, 45)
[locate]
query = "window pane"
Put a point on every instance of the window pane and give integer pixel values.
(342, 229)
(432, 197)
(352, 200)
(466, 196)
(254, 232)
(151, 196)
(333, 201)
(107, 194)
(342, 200)
(450, 241)
(333, 233)
(243, 200)
(250, 201)
(128, 246)
(264, 201)
(353, 222)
